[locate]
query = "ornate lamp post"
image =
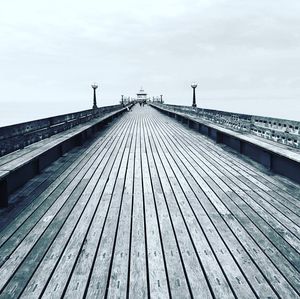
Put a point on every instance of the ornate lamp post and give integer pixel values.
(194, 85)
(161, 98)
(95, 86)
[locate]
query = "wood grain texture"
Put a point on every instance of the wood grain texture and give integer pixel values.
(152, 209)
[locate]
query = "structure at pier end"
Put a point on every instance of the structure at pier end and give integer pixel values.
(141, 96)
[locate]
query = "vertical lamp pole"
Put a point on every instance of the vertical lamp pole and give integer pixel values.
(194, 85)
(161, 98)
(95, 86)
(122, 99)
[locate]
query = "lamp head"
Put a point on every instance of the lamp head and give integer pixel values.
(94, 85)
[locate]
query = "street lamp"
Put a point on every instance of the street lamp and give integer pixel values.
(95, 86)
(194, 85)
(122, 99)
(161, 98)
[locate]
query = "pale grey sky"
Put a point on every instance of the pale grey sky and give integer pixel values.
(240, 52)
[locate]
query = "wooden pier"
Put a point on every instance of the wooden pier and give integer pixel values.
(151, 208)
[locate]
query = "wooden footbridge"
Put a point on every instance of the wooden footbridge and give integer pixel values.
(150, 208)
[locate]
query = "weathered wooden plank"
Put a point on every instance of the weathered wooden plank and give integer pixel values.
(138, 280)
(52, 196)
(81, 274)
(90, 169)
(39, 205)
(276, 207)
(99, 280)
(276, 189)
(280, 150)
(25, 167)
(263, 212)
(55, 214)
(258, 219)
(158, 284)
(185, 148)
(31, 190)
(232, 160)
(212, 235)
(211, 150)
(286, 211)
(232, 272)
(30, 263)
(179, 287)
(197, 279)
(119, 272)
(153, 209)
(247, 182)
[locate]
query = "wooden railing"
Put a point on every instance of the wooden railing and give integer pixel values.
(18, 136)
(278, 130)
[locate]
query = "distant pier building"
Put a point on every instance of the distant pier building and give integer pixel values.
(141, 96)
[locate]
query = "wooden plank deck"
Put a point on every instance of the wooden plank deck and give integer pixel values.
(152, 209)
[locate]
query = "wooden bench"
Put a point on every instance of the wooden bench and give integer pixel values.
(18, 167)
(275, 157)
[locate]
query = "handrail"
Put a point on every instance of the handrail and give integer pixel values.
(21, 166)
(275, 129)
(15, 137)
(278, 159)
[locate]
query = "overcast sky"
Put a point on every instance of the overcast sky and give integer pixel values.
(237, 50)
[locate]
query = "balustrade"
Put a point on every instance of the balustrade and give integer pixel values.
(278, 130)
(18, 136)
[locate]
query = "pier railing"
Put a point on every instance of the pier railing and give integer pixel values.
(278, 130)
(18, 136)
(235, 131)
(65, 132)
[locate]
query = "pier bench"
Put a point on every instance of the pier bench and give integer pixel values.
(18, 167)
(276, 157)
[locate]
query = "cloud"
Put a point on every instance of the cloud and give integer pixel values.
(232, 48)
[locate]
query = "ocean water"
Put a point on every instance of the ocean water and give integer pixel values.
(13, 113)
